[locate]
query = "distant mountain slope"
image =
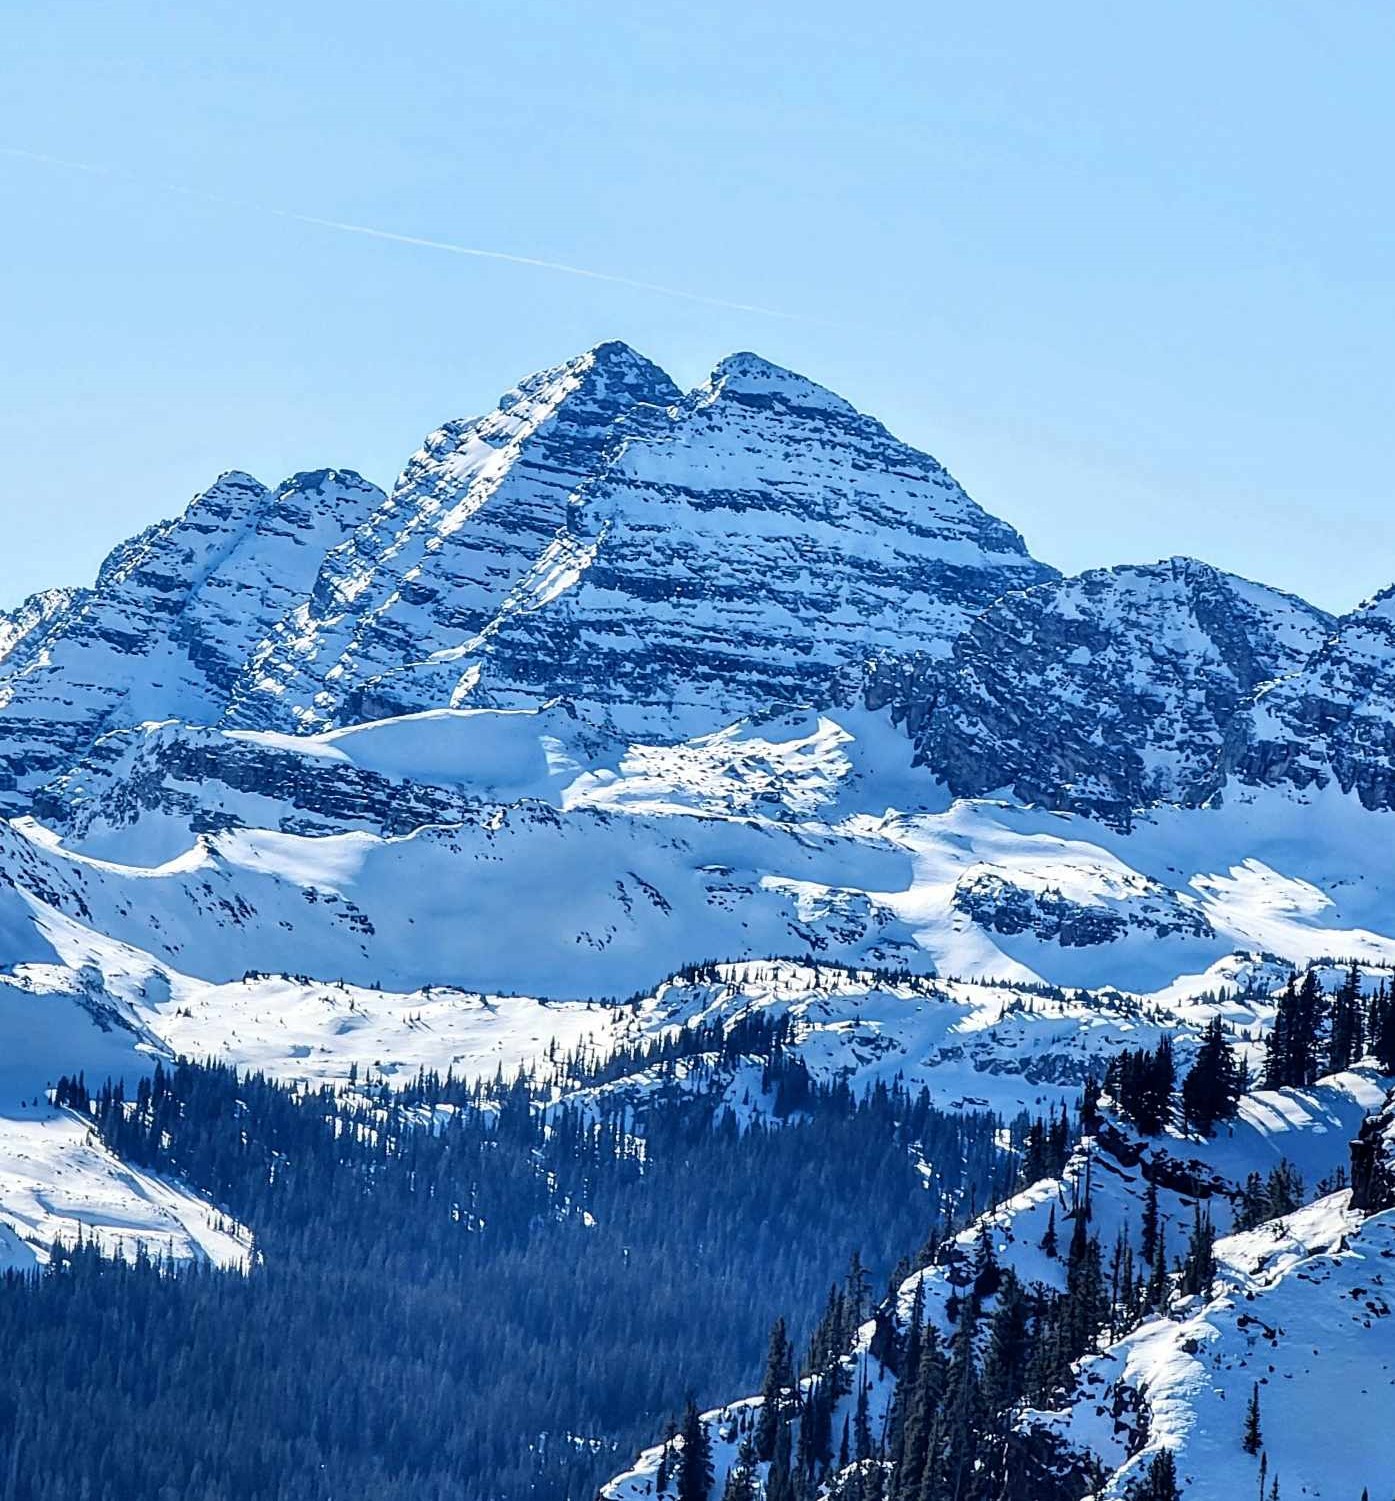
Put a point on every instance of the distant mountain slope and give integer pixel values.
(1109, 692)
(171, 619)
(1333, 721)
(25, 629)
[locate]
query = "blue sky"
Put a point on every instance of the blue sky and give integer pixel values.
(1127, 270)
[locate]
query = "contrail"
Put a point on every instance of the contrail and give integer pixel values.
(477, 252)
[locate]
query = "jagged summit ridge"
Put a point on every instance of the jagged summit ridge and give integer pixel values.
(668, 563)
(433, 565)
(750, 378)
(171, 619)
(663, 561)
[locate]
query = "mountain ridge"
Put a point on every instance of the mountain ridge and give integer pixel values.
(720, 739)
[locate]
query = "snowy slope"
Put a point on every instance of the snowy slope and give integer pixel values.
(57, 1180)
(1303, 1309)
(215, 849)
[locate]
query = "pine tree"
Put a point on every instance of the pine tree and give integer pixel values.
(1279, 1045)
(858, 1287)
(1211, 1090)
(1005, 1361)
(1199, 1266)
(1254, 1438)
(661, 1476)
(1383, 1029)
(779, 1379)
(1294, 1043)
(779, 1483)
(987, 1273)
(1048, 1241)
(862, 1421)
(695, 1458)
(908, 1371)
(1148, 1234)
(1090, 1105)
(1157, 1273)
(921, 1415)
(1158, 1482)
(741, 1478)
(1346, 1040)
(963, 1412)
(1141, 1082)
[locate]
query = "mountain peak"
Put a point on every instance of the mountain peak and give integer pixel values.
(755, 381)
(317, 481)
(616, 354)
(234, 479)
(608, 371)
(1381, 604)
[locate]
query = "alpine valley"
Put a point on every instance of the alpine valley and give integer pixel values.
(474, 956)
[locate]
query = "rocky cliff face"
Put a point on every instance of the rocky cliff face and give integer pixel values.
(667, 563)
(25, 629)
(399, 604)
(1333, 722)
(171, 619)
(1105, 693)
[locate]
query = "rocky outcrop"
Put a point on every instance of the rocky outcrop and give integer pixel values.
(206, 780)
(1003, 906)
(1106, 693)
(1333, 722)
(394, 610)
(26, 629)
(1373, 1162)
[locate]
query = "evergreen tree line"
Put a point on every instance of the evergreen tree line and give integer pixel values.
(457, 1290)
(1142, 1084)
(949, 1433)
(1315, 1033)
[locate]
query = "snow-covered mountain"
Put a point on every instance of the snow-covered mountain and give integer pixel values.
(170, 621)
(732, 704)
(24, 630)
(666, 563)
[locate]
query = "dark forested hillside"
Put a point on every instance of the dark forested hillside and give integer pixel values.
(451, 1296)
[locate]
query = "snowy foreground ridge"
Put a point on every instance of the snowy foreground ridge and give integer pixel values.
(723, 703)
